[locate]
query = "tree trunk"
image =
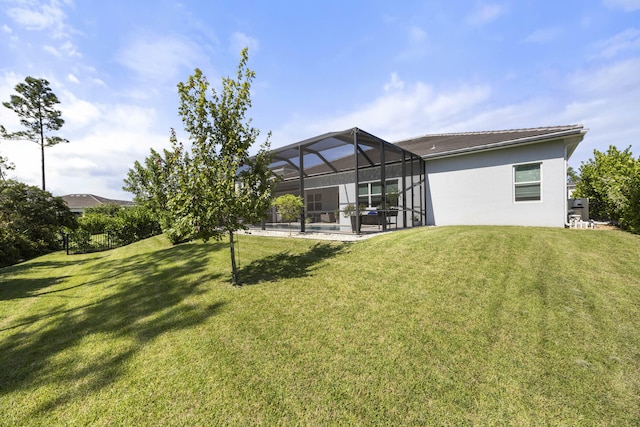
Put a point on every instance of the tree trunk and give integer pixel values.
(42, 152)
(234, 270)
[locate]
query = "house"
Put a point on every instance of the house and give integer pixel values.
(79, 202)
(510, 177)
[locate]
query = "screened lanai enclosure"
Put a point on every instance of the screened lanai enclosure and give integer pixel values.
(350, 181)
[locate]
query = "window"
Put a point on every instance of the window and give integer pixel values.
(314, 202)
(370, 194)
(527, 182)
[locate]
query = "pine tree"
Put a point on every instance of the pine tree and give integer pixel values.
(35, 104)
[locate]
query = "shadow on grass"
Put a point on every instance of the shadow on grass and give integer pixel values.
(136, 300)
(285, 265)
(27, 288)
(12, 287)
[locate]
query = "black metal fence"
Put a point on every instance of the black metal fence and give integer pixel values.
(82, 242)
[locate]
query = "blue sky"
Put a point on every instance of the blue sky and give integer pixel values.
(395, 69)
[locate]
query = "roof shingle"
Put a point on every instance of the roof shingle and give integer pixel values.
(453, 143)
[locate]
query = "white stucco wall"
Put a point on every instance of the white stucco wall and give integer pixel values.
(478, 189)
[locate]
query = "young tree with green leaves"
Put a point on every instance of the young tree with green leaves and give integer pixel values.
(220, 187)
(35, 104)
(289, 207)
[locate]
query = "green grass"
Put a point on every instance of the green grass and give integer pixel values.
(438, 326)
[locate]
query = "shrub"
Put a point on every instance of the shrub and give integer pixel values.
(611, 181)
(97, 223)
(124, 226)
(31, 221)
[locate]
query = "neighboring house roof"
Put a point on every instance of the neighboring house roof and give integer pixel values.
(443, 145)
(83, 201)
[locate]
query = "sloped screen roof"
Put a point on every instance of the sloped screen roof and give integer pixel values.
(334, 152)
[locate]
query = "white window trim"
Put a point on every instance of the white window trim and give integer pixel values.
(513, 183)
(369, 194)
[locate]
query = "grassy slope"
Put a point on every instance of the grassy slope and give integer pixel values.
(454, 325)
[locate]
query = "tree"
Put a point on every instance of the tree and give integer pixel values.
(31, 221)
(611, 181)
(152, 183)
(220, 188)
(35, 105)
(289, 207)
(631, 217)
(108, 209)
(5, 165)
(572, 176)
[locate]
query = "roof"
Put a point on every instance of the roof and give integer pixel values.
(83, 201)
(334, 152)
(442, 145)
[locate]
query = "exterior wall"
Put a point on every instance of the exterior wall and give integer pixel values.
(478, 188)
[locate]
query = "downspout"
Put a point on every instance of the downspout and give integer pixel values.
(566, 193)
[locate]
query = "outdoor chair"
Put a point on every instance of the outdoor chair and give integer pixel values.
(392, 217)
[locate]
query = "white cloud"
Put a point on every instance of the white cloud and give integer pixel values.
(105, 140)
(8, 82)
(79, 164)
(103, 153)
(485, 14)
(627, 40)
(160, 57)
(417, 34)
(98, 82)
(79, 114)
(626, 5)
(395, 83)
(39, 16)
(607, 103)
(543, 35)
(408, 110)
(6, 29)
(241, 40)
(47, 16)
(52, 50)
(70, 49)
(72, 78)
(605, 100)
(611, 81)
(416, 47)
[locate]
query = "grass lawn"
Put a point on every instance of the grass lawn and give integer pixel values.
(430, 326)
